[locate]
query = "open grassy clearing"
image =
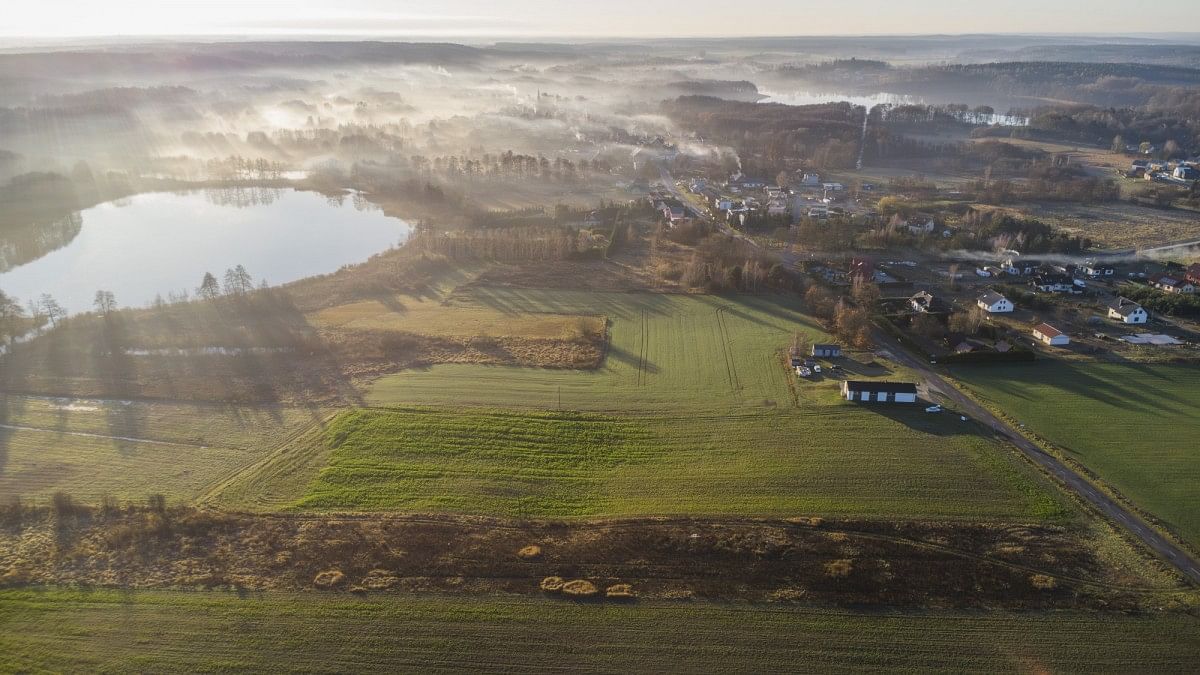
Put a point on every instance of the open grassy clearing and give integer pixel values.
(827, 460)
(1135, 425)
(63, 630)
(431, 317)
(666, 352)
(90, 448)
(711, 422)
(1120, 225)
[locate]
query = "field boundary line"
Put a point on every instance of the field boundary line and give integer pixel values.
(222, 484)
(87, 434)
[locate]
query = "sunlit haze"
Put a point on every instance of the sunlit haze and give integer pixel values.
(672, 18)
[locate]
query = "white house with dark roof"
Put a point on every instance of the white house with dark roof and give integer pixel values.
(994, 303)
(1127, 311)
(879, 392)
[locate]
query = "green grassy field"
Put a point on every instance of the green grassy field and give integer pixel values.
(826, 460)
(667, 352)
(91, 448)
(1134, 425)
(62, 630)
(694, 412)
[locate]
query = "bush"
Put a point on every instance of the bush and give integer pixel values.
(530, 552)
(329, 579)
(552, 584)
(580, 588)
(621, 591)
(838, 569)
(1014, 356)
(1043, 582)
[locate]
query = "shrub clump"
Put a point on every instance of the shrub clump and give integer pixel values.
(1043, 582)
(580, 588)
(552, 584)
(530, 552)
(329, 579)
(838, 569)
(623, 591)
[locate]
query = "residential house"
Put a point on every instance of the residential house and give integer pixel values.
(994, 303)
(1021, 266)
(811, 180)
(1054, 283)
(882, 392)
(1184, 172)
(1127, 311)
(777, 207)
(1097, 270)
(1051, 335)
(833, 187)
(925, 302)
(920, 226)
(827, 351)
(1172, 283)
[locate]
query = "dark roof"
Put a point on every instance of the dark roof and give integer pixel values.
(1124, 306)
(826, 346)
(991, 297)
(887, 387)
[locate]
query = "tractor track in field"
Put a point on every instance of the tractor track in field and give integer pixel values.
(730, 367)
(643, 349)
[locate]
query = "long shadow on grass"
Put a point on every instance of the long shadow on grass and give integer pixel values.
(1024, 382)
(913, 416)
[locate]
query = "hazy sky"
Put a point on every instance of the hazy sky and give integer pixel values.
(599, 18)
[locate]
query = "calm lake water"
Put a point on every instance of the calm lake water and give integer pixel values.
(880, 98)
(158, 243)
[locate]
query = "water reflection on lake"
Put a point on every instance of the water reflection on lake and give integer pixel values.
(160, 243)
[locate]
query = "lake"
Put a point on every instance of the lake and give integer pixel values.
(803, 97)
(159, 243)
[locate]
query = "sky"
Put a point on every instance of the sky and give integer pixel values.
(574, 18)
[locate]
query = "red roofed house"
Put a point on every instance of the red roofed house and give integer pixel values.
(1051, 335)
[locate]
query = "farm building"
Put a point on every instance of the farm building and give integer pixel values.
(1051, 335)
(826, 351)
(994, 303)
(1127, 311)
(881, 392)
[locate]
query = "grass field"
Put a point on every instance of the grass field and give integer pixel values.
(667, 352)
(693, 412)
(63, 630)
(127, 449)
(1134, 425)
(1120, 225)
(826, 460)
(430, 317)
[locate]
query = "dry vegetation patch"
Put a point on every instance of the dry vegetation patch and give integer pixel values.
(143, 547)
